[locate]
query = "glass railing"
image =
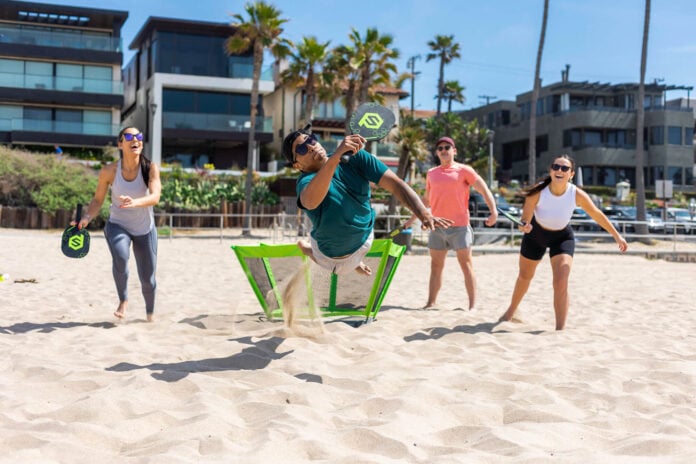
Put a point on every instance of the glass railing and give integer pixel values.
(62, 127)
(215, 122)
(246, 71)
(68, 84)
(48, 38)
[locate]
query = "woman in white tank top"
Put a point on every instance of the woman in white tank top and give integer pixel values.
(548, 207)
(131, 219)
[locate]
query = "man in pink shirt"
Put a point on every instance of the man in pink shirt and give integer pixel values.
(447, 195)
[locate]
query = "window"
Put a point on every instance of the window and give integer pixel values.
(688, 136)
(674, 173)
(657, 135)
(606, 176)
(593, 138)
(674, 135)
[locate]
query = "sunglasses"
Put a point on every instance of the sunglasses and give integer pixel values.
(129, 137)
(303, 148)
(444, 147)
(560, 167)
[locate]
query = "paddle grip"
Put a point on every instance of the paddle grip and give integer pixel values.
(78, 213)
(346, 157)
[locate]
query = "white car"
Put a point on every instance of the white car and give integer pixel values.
(681, 219)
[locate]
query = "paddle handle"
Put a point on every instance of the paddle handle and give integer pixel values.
(346, 157)
(78, 213)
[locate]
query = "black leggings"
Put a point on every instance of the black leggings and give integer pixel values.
(535, 243)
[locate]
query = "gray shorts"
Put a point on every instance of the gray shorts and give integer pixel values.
(453, 238)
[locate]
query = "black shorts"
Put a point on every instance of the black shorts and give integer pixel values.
(535, 243)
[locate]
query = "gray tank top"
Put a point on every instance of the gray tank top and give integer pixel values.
(137, 221)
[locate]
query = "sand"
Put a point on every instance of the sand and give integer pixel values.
(213, 381)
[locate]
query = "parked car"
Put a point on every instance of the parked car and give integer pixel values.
(581, 221)
(624, 218)
(680, 218)
(479, 209)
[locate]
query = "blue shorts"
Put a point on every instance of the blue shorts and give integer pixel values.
(453, 238)
(535, 243)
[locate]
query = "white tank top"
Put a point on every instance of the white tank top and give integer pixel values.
(554, 212)
(137, 221)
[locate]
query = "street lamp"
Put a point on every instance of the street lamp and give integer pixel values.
(491, 134)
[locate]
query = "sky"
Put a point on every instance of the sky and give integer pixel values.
(601, 40)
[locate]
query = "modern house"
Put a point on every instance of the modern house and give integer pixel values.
(596, 124)
(60, 75)
(190, 98)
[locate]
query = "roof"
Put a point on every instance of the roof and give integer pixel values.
(205, 28)
(43, 13)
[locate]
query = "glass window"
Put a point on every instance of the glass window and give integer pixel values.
(97, 122)
(181, 101)
(646, 101)
(606, 176)
(674, 173)
(593, 138)
(657, 135)
(210, 102)
(69, 121)
(688, 136)
(39, 75)
(674, 135)
(567, 138)
(587, 175)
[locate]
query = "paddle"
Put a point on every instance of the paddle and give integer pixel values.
(371, 120)
(510, 217)
(75, 242)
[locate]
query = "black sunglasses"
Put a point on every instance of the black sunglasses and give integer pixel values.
(444, 147)
(128, 137)
(303, 147)
(561, 167)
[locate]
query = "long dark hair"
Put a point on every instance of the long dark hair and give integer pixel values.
(144, 161)
(546, 180)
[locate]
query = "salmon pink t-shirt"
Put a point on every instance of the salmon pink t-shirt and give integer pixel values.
(448, 192)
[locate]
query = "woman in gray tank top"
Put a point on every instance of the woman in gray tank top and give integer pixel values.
(135, 189)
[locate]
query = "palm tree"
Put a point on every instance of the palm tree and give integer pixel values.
(260, 31)
(305, 69)
(535, 97)
(445, 49)
(453, 91)
(360, 67)
(412, 146)
(641, 228)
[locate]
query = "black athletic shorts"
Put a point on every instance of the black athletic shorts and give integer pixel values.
(535, 243)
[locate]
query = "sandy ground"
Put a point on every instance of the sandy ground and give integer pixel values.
(212, 380)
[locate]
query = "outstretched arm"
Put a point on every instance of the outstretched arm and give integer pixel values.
(584, 201)
(480, 186)
(106, 178)
(409, 198)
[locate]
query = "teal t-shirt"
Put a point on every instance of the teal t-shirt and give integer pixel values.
(344, 219)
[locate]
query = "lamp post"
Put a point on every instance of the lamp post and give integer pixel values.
(491, 134)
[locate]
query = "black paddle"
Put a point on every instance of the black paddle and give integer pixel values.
(75, 242)
(371, 120)
(510, 216)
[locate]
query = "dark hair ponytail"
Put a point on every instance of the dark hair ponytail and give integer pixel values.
(546, 180)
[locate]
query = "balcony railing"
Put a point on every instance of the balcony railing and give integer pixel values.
(49, 38)
(67, 84)
(62, 127)
(215, 122)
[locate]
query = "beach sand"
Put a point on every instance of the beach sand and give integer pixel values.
(213, 381)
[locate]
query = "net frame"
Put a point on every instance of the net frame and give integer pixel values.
(388, 253)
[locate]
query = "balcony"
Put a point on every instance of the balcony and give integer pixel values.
(214, 122)
(48, 38)
(58, 127)
(67, 84)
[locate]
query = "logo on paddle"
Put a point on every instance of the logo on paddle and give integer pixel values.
(76, 242)
(371, 121)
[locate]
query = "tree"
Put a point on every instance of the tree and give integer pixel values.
(535, 97)
(411, 144)
(445, 49)
(641, 228)
(361, 66)
(471, 139)
(305, 69)
(260, 31)
(453, 91)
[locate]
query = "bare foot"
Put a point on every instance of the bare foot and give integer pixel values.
(509, 316)
(429, 305)
(150, 317)
(363, 269)
(121, 310)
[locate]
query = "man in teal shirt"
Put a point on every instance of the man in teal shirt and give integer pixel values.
(336, 197)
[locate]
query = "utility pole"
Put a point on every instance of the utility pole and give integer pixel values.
(412, 65)
(487, 98)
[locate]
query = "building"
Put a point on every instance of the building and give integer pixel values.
(190, 98)
(60, 75)
(596, 124)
